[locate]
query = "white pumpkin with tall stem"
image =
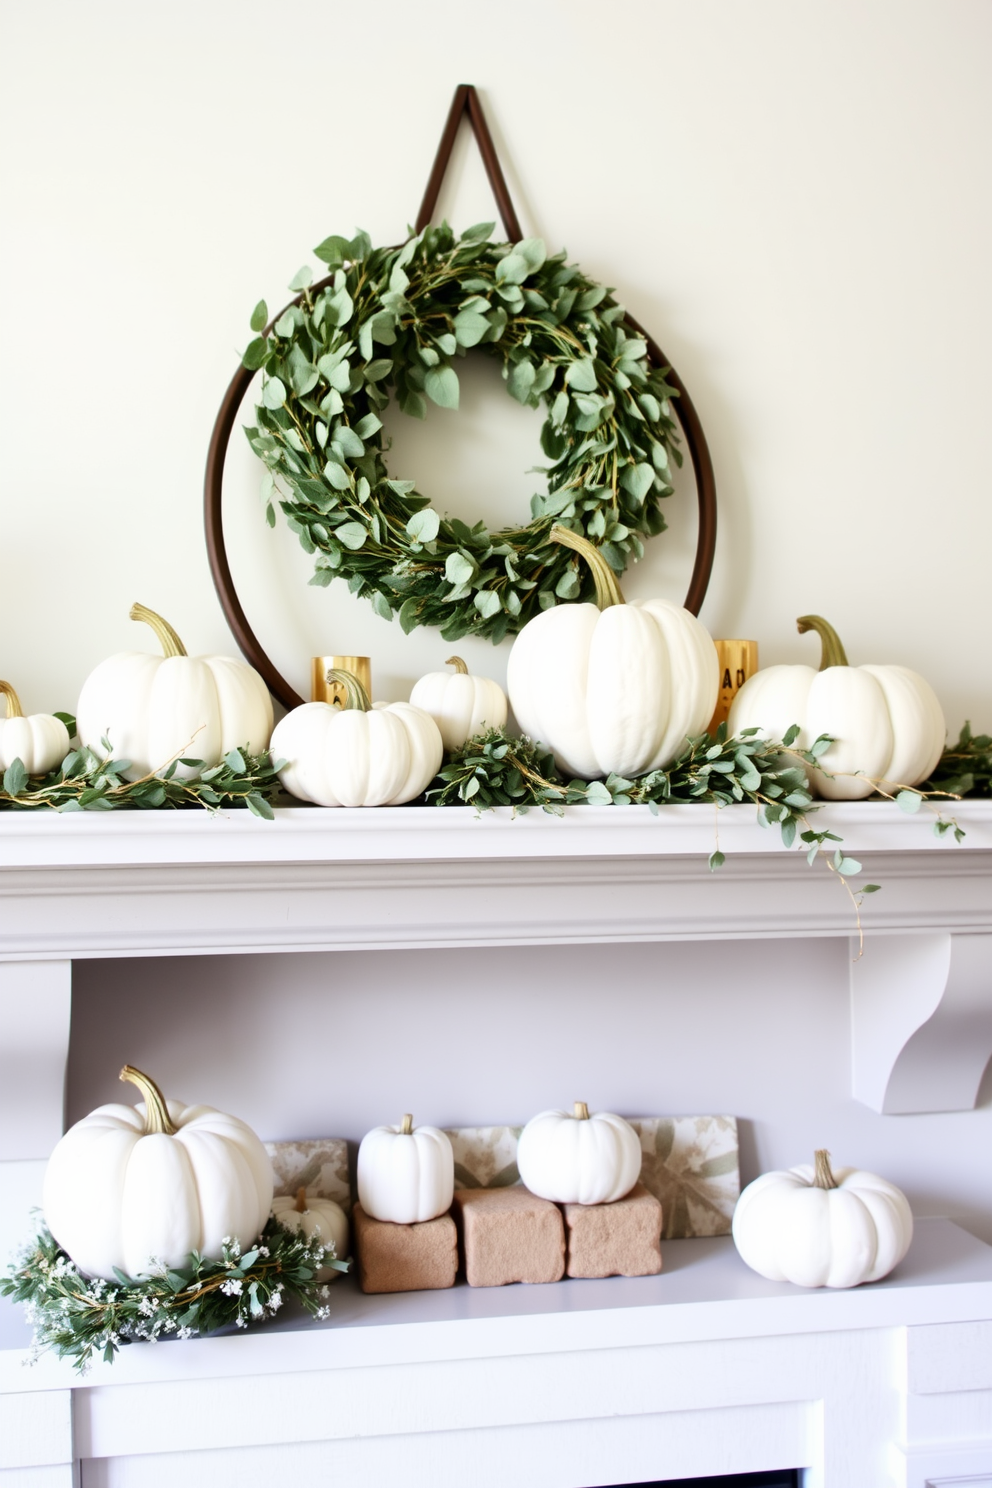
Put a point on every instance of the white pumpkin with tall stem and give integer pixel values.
(575, 1158)
(356, 755)
(462, 705)
(819, 1228)
(40, 741)
(155, 708)
(612, 687)
(406, 1173)
(131, 1188)
(887, 724)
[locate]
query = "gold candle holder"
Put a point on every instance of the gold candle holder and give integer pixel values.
(322, 691)
(738, 661)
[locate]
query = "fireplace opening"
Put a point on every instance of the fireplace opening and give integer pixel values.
(787, 1477)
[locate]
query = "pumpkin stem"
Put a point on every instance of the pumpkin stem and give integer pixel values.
(13, 701)
(607, 589)
(157, 1118)
(581, 1111)
(458, 665)
(406, 1126)
(822, 1176)
(355, 696)
(166, 636)
(833, 653)
(301, 1201)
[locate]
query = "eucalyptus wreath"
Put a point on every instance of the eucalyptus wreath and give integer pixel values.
(390, 323)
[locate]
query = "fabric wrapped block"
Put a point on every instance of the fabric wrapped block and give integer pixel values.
(618, 1239)
(509, 1235)
(405, 1257)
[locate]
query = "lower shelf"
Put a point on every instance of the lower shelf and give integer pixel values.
(704, 1294)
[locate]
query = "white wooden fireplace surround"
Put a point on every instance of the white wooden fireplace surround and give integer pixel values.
(706, 1369)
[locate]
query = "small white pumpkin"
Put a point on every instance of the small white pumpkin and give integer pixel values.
(612, 687)
(461, 704)
(357, 755)
(406, 1173)
(577, 1158)
(40, 741)
(316, 1216)
(130, 1187)
(155, 708)
(818, 1228)
(886, 721)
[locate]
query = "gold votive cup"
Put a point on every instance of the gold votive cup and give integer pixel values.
(322, 691)
(738, 661)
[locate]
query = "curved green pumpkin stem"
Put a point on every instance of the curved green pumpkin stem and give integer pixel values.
(355, 696)
(823, 1176)
(458, 664)
(833, 650)
(167, 638)
(607, 589)
(157, 1118)
(13, 701)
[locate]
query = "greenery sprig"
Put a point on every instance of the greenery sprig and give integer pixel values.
(84, 1319)
(965, 769)
(390, 323)
(86, 782)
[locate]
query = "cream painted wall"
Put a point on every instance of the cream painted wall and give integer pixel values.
(794, 197)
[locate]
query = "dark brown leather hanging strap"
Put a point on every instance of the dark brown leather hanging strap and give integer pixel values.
(467, 101)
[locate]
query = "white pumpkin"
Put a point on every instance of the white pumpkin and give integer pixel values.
(577, 1158)
(406, 1173)
(460, 704)
(612, 687)
(155, 708)
(817, 1228)
(316, 1216)
(358, 755)
(130, 1187)
(40, 741)
(886, 721)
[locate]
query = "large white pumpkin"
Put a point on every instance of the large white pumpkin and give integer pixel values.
(129, 1187)
(40, 741)
(155, 708)
(358, 755)
(886, 721)
(316, 1217)
(575, 1158)
(406, 1173)
(461, 704)
(612, 687)
(817, 1228)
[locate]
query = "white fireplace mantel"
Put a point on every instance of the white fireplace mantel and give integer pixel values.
(706, 1369)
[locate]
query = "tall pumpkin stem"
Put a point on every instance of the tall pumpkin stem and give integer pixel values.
(301, 1201)
(406, 1126)
(833, 653)
(13, 701)
(581, 1111)
(355, 696)
(458, 665)
(166, 636)
(607, 589)
(822, 1176)
(157, 1118)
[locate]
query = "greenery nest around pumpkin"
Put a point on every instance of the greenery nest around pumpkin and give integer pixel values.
(389, 324)
(86, 781)
(83, 1319)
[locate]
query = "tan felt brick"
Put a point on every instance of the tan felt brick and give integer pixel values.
(618, 1239)
(404, 1257)
(509, 1235)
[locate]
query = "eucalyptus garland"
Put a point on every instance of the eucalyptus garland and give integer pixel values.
(82, 1319)
(86, 781)
(390, 323)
